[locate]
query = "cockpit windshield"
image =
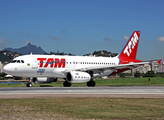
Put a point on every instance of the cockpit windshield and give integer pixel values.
(17, 61)
(14, 61)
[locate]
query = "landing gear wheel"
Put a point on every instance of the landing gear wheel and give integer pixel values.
(88, 83)
(91, 83)
(66, 84)
(55, 79)
(29, 84)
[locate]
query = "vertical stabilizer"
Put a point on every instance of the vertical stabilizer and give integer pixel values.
(130, 49)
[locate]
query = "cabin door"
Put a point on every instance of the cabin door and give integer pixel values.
(34, 62)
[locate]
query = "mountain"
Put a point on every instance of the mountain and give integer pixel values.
(27, 49)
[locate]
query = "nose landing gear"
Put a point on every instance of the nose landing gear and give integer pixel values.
(29, 84)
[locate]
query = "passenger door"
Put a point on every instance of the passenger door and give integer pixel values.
(34, 62)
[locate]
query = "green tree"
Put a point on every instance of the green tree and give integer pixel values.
(122, 75)
(137, 74)
(150, 74)
(2, 74)
(159, 74)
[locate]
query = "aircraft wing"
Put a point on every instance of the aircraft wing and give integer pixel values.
(113, 67)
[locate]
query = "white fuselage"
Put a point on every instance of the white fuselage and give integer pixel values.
(75, 69)
(55, 66)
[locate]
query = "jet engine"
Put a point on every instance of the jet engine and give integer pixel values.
(44, 79)
(77, 77)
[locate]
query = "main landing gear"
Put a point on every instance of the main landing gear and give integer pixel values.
(67, 84)
(91, 83)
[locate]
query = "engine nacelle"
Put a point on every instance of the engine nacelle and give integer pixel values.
(77, 77)
(44, 79)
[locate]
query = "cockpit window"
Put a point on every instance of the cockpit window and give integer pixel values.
(14, 61)
(17, 61)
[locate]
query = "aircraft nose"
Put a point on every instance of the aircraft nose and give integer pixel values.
(6, 69)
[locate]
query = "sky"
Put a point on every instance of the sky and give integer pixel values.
(83, 26)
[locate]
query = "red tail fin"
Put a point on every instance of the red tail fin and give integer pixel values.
(130, 49)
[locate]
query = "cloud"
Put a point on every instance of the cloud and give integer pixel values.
(35, 35)
(126, 38)
(1, 33)
(32, 35)
(3, 43)
(48, 37)
(21, 33)
(107, 39)
(160, 39)
(64, 31)
(56, 38)
(28, 42)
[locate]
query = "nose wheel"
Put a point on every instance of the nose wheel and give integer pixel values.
(29, 84)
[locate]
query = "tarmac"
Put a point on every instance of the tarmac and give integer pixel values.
(63, 92)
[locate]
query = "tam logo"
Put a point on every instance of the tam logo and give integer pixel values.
(131, 44)
(54, 63)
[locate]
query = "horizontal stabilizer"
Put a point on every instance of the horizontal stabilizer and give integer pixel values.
(159, 61)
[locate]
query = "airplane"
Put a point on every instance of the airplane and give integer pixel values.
(75, 69)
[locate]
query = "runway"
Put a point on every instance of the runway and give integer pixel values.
(54, 92)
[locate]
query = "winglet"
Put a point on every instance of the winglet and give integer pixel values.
(159, 61)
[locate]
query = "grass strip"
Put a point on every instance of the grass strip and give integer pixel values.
(83, 108)
(102, 82)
